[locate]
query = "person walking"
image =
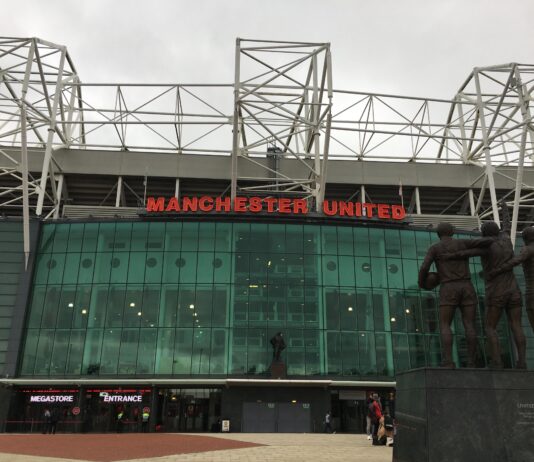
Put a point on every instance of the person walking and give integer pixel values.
(328, 422)
(46, 419)
(120, 420)
(54, 419)
(375, 412)
(369, 420)
(145, 418)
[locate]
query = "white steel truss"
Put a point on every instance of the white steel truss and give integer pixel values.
(281, 106)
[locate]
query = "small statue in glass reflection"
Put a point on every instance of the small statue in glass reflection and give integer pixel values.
(279, 345)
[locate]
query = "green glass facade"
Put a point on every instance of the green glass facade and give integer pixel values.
(127, 299)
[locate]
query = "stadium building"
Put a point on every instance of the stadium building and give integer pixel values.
(154, 238)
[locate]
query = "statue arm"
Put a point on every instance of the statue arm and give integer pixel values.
(523, 256)
(425, 267)
(471, 248)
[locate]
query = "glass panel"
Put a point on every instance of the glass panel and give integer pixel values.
(123, 237)
(56, 265)
(183, 351)
(294, 238)
(345, 240)
(370, 362)
(218, 352)
(376, 242)
(110, 351)
(165, 351)
(238, 351)
(259, 358)
(295, 352)
(408, 244)
(147, 351)
(201, 351)
(106, 237)
(47, 239)
(188, 267)
(173, 237)
(75, 237)
(401, 353)
(395, 279)
(349, 346)
(44, 352)
(90, 237)
(347, 308)
(136, 267)
(206, 237)
(333, 353)
(66, 307)
(313, 352)
(128, 351)
(361, 242)
(92, 350)
(330, 270)
(30, 349)
(346, 271)
(139, 237)
(329, 240)
(153, 267)
(50, 311)
(75, 354)
(72, 265)
(223, 237)
(190, 237)
(61, 238)
(204, 267)
(60, 352)
(87, 267)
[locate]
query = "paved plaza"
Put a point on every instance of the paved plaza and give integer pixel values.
(235, 447)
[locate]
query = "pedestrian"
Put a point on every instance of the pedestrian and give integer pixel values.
(47, 419)
(328, 422)
(54, 419)
(375, 412)
(145, 418)
(369, 420)
(120, 420)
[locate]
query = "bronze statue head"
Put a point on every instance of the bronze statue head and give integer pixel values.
(490, 229)
(445, 229)
(528, 235)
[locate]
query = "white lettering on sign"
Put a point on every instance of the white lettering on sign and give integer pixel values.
(51, 399)
(122, 399)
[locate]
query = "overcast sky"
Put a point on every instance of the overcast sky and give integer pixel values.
(410, 47)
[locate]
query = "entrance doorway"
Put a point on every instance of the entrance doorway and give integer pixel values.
(190, 410)
(276, 417)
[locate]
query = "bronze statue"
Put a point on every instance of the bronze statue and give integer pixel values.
(501, 291)
(279, 345)
(456, 291)
(525, 258)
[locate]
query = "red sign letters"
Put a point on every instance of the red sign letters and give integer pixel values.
(280, 205)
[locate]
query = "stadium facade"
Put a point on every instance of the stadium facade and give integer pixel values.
(144, 274)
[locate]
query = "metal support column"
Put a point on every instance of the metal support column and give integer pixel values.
(51, 131)
(235, 134)
(417, 201)
(486, 149)
(119, 192)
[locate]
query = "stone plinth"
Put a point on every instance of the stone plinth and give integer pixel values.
(466, 415)
(278, 370)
